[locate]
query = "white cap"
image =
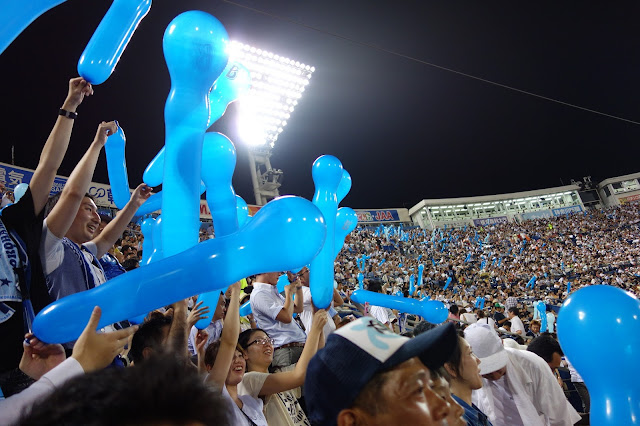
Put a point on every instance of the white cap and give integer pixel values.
(487, 346)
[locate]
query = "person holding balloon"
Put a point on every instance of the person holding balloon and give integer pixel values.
(274, 314)
(23, 292)
(70, 248)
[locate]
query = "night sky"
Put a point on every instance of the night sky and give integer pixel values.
(404, 129)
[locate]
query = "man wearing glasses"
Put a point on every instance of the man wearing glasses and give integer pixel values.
(274, 314)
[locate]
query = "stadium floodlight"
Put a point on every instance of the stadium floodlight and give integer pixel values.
(277, 84)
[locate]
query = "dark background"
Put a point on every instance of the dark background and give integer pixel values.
(404, 129)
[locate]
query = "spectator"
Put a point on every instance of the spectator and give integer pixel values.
(274, 315)
(516, 323)
(20, 232)
(281, 405)
(357, 377)
(518, 387)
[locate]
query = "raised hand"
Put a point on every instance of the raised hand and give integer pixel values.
(38, 357)
(96, 350)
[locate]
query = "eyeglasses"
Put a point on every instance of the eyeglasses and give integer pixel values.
(262, 342)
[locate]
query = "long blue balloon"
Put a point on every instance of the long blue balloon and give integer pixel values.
(599, 323)
(194, 46)
(360, 280)
(108, 42)
(209, 299)
(447, 283)
(15, 16)
(326, 173)
(431, 310)
(346, 222)
(412, 285)
(208, 266)
(542, 309)
(420, 273)
(117, 168)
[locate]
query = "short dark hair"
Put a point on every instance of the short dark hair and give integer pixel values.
(375, 286)
(53, 200)
(544, 346)
(454, 309)
(131, 264)
(245, 336)
(454, 361)
(149, 335)
(160, 390)
(514, 310)
(369, 397)
(422, 327)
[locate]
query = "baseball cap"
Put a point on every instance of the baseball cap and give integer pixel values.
(356, 352)
(487, 346)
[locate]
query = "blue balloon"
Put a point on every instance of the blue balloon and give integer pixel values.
(346, 221)
(599, 323)
(19, 191)
(230, 85)
(218, 164)
(381, 262)
(245, 309)
(542, 309)
(412, 287)
(568, 287)
(209, 266)
(234, 81)
(209, 299)
(108, 42)
(431, 310)
(420, 271)
(532, 282)
(194, 46)
(117, 168)
(283, 281)
(326, 173)
(344, 187)
(447, 283)
(360, 280)
(242, 210)
(15, 16)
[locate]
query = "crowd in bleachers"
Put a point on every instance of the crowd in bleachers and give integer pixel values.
(289, 363)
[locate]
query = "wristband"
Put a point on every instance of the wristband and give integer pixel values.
(68, 114)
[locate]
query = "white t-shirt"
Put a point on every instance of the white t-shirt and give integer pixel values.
(379, 313)
(251, 408)
(516, 324)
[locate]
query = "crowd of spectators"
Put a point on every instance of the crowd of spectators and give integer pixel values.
(288, 362)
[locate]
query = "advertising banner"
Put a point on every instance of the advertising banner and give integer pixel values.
(377, 216)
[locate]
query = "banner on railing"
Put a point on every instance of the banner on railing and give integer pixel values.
(567, 210)
(488, 221)
(14, 175)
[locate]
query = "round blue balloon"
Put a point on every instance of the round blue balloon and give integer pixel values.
(19, 191)
(346, 222)
(596, 324)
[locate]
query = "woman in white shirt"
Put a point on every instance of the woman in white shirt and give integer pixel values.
(281, 406)
(226, 364)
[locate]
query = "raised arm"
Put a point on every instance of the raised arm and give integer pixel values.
(63, 214)
(286, 313)
(116, 227)
(279, 382)
(57, 144)
(228, 340)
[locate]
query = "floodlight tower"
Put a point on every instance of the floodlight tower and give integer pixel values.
(277, 86)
